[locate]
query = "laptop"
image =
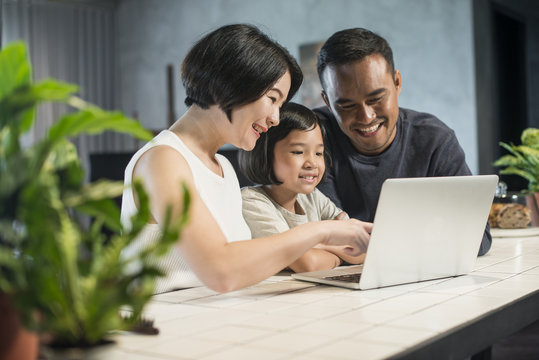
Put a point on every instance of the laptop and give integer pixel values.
(424, 229)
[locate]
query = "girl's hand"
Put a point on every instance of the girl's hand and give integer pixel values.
(342, 253)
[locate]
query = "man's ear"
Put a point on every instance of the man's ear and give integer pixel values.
(325, 98)
(398, 81)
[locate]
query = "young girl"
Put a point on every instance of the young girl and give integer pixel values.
(289, 162)
(235, 79)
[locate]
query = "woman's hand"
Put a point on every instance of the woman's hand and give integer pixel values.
(350, 232)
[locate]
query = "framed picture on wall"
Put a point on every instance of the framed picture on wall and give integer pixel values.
(311, 88)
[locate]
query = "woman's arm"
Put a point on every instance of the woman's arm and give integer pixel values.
(226, 266)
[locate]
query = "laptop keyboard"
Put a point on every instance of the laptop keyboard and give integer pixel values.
(346, 277)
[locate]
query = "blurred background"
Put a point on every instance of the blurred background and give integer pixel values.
(472, 63)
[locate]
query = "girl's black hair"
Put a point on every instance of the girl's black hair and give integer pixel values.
(235, 65)
(257, 165)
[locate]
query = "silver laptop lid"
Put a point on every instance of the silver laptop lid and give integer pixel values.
(427, 228)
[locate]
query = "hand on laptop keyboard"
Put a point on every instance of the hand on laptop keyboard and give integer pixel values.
(350, 232)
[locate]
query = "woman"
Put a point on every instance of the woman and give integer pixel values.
(236, 79)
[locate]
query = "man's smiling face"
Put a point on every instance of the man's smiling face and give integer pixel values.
(363, 97)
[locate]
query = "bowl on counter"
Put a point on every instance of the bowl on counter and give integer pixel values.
(509, 211)
(513, 214)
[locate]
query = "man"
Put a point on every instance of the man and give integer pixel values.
(370, 138)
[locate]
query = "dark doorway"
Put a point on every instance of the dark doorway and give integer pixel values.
(510, 90)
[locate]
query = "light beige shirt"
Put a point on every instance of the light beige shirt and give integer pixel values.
(266, 217)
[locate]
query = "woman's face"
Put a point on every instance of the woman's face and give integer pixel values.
(249, 121)
(299, 161)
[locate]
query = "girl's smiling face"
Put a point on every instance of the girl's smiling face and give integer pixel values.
(299, 161)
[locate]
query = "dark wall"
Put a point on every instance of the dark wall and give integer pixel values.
(506, 36)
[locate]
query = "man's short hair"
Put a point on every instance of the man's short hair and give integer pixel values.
(257, 165)
(351, 45)
(235, 65)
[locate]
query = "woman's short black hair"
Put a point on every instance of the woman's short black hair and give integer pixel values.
(235, 65)
(257, 164)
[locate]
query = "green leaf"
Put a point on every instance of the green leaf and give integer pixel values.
(520, 161)
(92, 120)
(530, 154)
(530, 137)
(523, 159)
(511, 170)
(68, 239)
(186, 196)
(534, 187)
(26, 119)
(65, 162)
(52, 90)
(99, 190)
(511, 149)
(142, 216)
(11, 271)
(104, 210)
(14, 68)
(15, 105)
(507, 160)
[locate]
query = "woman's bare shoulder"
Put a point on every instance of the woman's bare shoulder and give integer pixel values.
(162, 161)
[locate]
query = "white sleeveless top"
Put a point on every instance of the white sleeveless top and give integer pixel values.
(221, 195)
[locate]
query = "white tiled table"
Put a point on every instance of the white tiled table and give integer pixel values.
(282, 318)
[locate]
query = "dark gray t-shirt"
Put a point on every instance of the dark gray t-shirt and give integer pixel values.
(423, 146)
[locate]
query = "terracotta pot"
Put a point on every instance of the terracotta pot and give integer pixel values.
(532, 201)
(16, 343)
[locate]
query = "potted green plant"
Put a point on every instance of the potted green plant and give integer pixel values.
(523, 160)
(67, 280)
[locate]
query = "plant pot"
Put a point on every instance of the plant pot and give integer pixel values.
(532, 201)
(96, 352)
(16, 343)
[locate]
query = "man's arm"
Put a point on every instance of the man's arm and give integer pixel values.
(486, 243)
